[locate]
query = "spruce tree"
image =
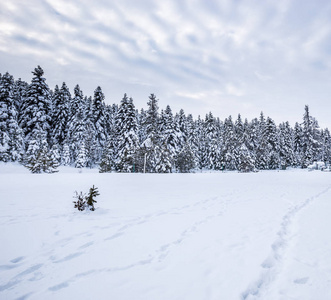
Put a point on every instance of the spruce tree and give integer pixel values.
(99, 122)
(185, 160)
(38, 158)
(271, 137)
(152, 134)
(60, 117)
(77, 131)
(163, 163)
(81, 160)
(169, 135)
(127, 135)
(11, 136)
(310, 139)
(229, 145)
(261, 152)
(286, 145)
(244, 161)
(65, 157)
(36, 108)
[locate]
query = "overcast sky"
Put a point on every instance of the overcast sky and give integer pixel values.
(224, 56)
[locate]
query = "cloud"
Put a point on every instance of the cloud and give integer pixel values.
(201, 54)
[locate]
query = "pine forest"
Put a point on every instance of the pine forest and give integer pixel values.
(43, 129)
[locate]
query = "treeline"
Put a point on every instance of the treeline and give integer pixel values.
(43, 128)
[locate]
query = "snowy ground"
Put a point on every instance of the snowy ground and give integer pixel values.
(196, 236)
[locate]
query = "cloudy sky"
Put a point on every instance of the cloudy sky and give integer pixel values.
(224, 56)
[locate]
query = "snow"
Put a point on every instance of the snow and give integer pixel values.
(165, 236)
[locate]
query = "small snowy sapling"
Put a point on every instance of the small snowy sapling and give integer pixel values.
(89, 199)
(80, 204)
(86, 202)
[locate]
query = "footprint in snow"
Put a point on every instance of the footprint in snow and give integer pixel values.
(69, 257)
(302, 280)
(86, 245)
(17, 259)
(14, 264)
(114, 236)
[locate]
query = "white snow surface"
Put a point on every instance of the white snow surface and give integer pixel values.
(196, 236)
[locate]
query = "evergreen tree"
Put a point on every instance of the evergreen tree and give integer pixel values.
(244, 161)
(77, 131)
(326, 146)
(201, 144)
(286, 145)
(19, 95)
(181, 128)
(297, 144)
(99, 122)
(61, 101)
(163, 163)
(127, 138)
(38, 158)
(55, 156)
(36, 108)
(11, 137)
(271, 137)
(230, 145)
(65, 157)
(169, 135)
(185, 160)
(81, 160)
(310, 139)
(152, 134)
(261, 161)
(76, 102)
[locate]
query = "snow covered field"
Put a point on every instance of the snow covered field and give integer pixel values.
(196, 236)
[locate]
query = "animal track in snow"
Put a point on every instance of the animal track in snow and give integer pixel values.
(272, 264)
(302, 280)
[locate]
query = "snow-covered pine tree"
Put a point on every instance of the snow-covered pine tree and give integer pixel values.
(6, 84)
(229, 145)
(169, 136)
(286, 148)
(185, 160)
(271, 137)
(61, 114)
(239, 131)
(252, 135)
(76, 103)
(38, 158)
(201, 153)
(108, 159)
(297, 144)
(127, 135)
(20, 89)
(36, 108)
(310, 139)
(152, 134)
(192, 137)
(326, 146)
(261, 152)
(81, 159)
(11, 136)
(244, 160)
(181, 127)
(142, 126)
(77, 132)
(99, 122)
(65, 157)
(55, 156)
(163, 164)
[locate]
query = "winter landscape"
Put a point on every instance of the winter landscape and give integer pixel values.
(165, 150)
(165, 236)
